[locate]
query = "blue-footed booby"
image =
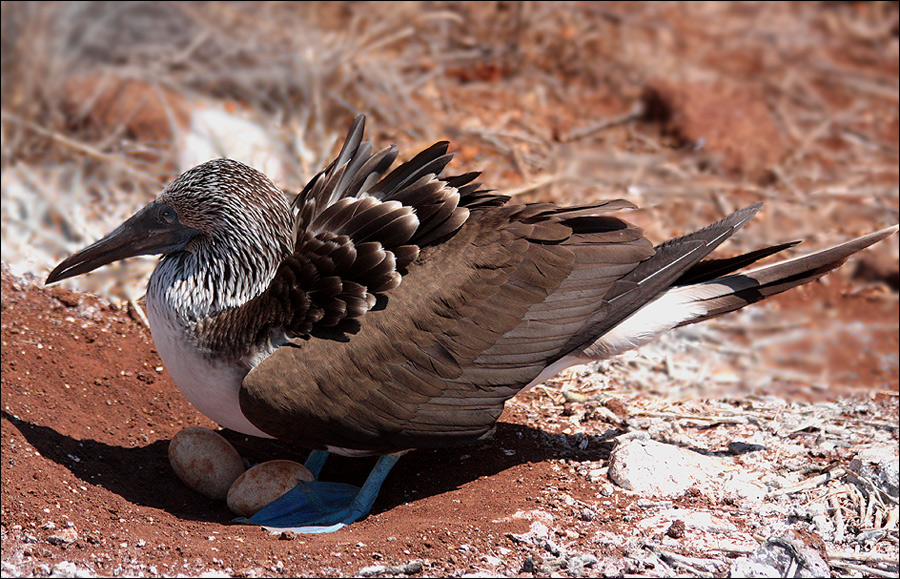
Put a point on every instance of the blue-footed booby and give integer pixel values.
(387, 310)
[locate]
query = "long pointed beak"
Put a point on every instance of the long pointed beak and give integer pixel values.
(153, 230)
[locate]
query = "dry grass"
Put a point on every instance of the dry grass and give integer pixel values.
(547, 98)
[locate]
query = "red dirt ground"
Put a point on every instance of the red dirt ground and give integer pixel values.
(88, 412)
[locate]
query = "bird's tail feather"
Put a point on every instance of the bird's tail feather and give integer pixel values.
(721, 295)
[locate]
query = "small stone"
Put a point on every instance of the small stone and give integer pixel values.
(413, 567)
(779, 554)
(63, 537)
(552, 548)
(552, 566)
(658, 469)
(676, 529)
(574, 567)
(68, 569)
(66, 297)
(880, 465)
(530, 565)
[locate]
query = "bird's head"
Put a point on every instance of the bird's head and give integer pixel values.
(221, 204)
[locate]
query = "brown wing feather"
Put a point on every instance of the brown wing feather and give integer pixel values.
(357, 230)
(472, 300)
(472, 323)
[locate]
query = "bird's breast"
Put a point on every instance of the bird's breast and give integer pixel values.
(212, 385)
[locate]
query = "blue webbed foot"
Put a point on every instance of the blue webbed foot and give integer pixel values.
(323, 507)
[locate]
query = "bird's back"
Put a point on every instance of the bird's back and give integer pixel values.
(474, 320)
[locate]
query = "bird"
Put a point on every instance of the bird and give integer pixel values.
(385, 310)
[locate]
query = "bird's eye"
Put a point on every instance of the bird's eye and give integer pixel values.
(168, 215)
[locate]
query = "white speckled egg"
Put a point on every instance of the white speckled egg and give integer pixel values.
(264, 483)
(205, 461)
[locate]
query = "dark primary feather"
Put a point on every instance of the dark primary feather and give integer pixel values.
(712, 268)
(737, 290)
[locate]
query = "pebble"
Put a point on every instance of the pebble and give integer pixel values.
(537, 530)
(63, 537)
(779, 555)
(205, 461)
(596, 474)
(411, 568)
(657, 469)
(372, 570)
(264, 483)
(880, 465)
(68, 569)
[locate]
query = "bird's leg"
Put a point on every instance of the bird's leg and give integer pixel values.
(316, 461)
(323, 507)
(365, 498)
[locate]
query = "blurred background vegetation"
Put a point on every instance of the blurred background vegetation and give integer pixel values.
(689, 109)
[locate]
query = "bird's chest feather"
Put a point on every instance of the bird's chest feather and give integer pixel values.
(211, 385)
